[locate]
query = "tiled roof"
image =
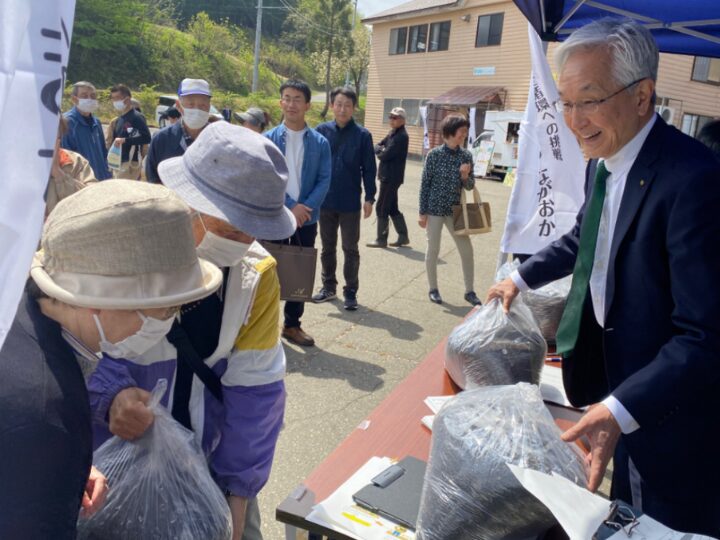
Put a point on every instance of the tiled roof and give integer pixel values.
(410, 7)
(469, 95)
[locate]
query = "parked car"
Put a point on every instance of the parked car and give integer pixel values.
(167, 101)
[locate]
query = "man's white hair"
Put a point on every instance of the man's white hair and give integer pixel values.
(631, 46)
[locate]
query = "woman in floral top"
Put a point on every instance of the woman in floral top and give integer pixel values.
(448, 168)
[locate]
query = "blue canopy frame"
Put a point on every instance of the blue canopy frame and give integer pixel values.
(680, 26)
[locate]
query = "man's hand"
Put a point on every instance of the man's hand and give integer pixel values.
(119, 141)
(96, 490)
(603, 431)
(465, 171)
(506, 291)
(302, 214)
(238, 508)
(422, 221)
(129, 413)
(367, 209)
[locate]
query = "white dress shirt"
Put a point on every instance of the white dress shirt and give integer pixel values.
(618, 165)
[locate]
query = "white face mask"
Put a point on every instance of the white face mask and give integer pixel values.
(149, 335)
(119, 105)
(87, 105)
(195, 118)
(221, 251)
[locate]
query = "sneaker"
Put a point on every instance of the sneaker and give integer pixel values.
(350, 303)
(472, 298)
(324, 295)
(434, 296)
(297, 336)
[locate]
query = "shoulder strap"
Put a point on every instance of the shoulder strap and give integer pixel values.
(189, 363)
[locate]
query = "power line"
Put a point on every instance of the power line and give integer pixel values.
(307, 21)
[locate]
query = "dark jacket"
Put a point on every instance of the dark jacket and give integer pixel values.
(353, 166)
(85, 136)
(169, 142)
(132, 127)
(45, 437)
(659, 352)
(392, 152)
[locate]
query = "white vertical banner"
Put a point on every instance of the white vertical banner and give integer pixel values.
(548, 190)
(426, 137)
(472, 131)
(34, 50)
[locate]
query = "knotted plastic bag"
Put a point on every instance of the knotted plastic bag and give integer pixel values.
(546, 303)
(469, 493)
(492, 347)
(160, 487)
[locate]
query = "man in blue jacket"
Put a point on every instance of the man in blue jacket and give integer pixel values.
(85, 133)
(353, 167)
(309, 168)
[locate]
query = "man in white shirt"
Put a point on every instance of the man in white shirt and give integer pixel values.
(310, 167)
(640, 334)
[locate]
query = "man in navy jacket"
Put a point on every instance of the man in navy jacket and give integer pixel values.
(647, 352)
(353, 167)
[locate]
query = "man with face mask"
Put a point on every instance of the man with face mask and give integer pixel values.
(129, 132)
(116, 259)
(172, 141)
(235, 180)
(85, 133)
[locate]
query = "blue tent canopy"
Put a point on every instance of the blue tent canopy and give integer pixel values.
(679, 26)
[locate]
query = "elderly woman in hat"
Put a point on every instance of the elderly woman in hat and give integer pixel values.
(116, 261)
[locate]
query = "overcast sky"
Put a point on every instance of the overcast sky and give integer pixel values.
(370, 7)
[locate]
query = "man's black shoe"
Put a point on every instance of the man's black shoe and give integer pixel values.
(472, 298)
(350, 303)
(324, 295)
(434, 296)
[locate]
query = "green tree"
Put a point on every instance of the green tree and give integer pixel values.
(323, 26)
(358, 61)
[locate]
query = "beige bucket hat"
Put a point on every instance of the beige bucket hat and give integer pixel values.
(122, 244)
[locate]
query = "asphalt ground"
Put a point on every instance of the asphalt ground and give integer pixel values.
(360, 356)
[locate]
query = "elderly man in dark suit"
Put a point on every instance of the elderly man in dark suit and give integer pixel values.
(640, 334)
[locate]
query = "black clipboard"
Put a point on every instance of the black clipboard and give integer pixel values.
(399, 500)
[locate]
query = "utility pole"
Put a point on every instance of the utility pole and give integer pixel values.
(258, 33)
(347, 73)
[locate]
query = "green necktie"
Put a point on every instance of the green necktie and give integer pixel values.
(569, 328)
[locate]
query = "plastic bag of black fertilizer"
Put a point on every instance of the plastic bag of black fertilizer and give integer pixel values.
(492, 347)
(160, 487)
(469, 492)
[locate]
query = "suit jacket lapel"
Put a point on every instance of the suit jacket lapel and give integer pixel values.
(637, 184)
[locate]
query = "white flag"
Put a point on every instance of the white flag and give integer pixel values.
(548, 190)
(34, 51)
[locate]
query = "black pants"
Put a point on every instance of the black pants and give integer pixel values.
(304, 236)
(387, 202)
(349, 224)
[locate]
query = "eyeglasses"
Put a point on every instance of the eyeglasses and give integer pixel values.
(621, 518)
(393, 117)
(589, 107)
(295, 100)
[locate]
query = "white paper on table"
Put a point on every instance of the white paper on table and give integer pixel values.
(340, 513)
(435, 403)
(552, 388)
(427, 421)
(577, 510)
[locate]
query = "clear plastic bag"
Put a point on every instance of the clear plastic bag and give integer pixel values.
(491, 347)
(160, 487)
(546, 303)
(469, 492)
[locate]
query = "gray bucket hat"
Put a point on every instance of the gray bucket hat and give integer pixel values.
(122, 244)
(254, 115)
(235, 175)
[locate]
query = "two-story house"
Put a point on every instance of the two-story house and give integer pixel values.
(457, 54)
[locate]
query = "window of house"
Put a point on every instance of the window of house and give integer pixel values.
(693, 123)
(398, 40)
(388, 105)
(706, 70)
(412, 111)
(489, 30)
(417, 40)
(439, 36)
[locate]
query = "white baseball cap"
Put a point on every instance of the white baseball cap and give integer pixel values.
(190, 87)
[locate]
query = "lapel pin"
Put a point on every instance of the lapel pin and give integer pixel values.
(642, 183)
